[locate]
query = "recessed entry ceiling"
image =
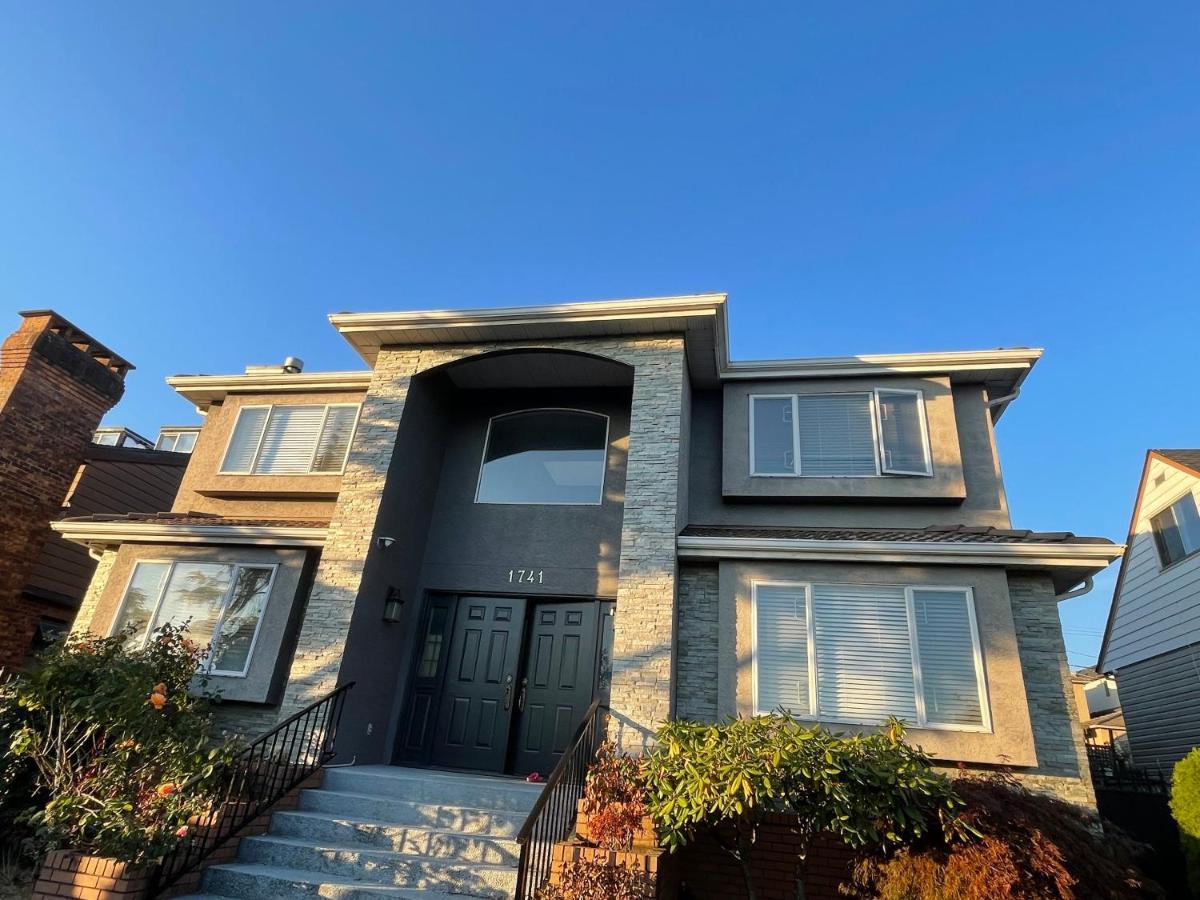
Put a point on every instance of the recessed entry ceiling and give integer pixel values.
(538, 368)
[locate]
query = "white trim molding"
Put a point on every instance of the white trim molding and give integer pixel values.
(205, 390)
(95, 535)
(1080, 554)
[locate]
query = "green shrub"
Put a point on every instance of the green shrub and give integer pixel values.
(867, 790)
(1022, 846)
(111, 734)
(1185, 807)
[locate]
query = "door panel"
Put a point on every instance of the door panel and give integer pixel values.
(480, 684)
(556, 688)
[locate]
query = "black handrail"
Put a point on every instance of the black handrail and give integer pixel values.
(254, 781)
(553, 816)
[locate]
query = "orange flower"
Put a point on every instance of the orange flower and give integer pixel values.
(127, 744)
(158, 701)
(160, 688)
(166, 789)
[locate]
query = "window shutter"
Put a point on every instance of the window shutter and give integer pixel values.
(902, 432)
(335, 439)
(290, 440)
(836, 434)
(781, 648)
(863, 651)
(774, 453)
(946, 648)
(239, 457)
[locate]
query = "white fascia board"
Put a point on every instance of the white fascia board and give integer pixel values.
(112, 533)
(1074, 555)
(204, 390)
(588, 311)
(1020, 360)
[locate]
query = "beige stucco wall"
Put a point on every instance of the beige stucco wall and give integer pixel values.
(103, 602)
(1010, 741)
(946, 483)
(204, 489)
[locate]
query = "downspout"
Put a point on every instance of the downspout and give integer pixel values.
(1007, 398)
(1084, 587)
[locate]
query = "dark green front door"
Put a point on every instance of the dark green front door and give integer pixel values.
(479, 688)
(557, 683)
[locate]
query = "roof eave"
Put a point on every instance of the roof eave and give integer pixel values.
(205, 390)
(97, 535)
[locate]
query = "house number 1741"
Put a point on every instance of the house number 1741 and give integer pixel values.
(526, 576)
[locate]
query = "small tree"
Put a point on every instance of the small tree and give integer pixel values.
(867, 790)
(1185, 807)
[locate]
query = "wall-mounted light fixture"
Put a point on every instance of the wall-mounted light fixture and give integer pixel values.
(383, 542)
(392, 605)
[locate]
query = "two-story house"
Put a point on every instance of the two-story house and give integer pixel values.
(1152, 640)
(510, 512)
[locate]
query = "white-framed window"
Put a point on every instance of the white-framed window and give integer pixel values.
(854, 434)
(1177, 530)
(222, 605)
(312, 439)
(858, 653)
(551, 457)
(177, 441)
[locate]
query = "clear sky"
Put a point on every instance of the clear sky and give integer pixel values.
(199, 184)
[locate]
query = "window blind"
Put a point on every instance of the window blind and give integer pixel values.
(290, 440)
(239, 456)
(1177, 530)
(334, 443)
(773, 436)
(781, 648)
(902, 432)
(946, 648)
(836, 434)
(863, 653)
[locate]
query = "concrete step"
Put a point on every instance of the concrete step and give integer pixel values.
(426, 786)
(413, 840)
(462, 819)
(239, 881)
(378, 867)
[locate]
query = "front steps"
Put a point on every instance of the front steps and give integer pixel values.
(375, 832)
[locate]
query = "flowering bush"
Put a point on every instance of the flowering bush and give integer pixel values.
(614, 798)
(111, 734)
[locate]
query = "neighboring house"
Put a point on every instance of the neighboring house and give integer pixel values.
(110, 480)
(511, 512)
(177, 438)
(1152, 640)
(1099, 708)
(56, 383)
(120, 436)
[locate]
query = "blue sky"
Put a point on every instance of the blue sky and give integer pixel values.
(200, 184)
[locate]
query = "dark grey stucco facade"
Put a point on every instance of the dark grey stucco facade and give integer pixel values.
(645, 598)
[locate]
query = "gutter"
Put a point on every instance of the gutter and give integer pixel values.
(97, 536)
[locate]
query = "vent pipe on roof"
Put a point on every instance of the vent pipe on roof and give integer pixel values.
(293, 365)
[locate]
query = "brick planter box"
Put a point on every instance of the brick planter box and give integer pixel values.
(69, 873)
(644, 855)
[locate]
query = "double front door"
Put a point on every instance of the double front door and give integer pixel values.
(516, 679)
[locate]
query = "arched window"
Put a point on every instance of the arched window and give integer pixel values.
(544, 456)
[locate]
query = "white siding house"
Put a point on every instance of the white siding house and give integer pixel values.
(1152, 641)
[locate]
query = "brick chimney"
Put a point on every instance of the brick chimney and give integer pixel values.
(56, 383)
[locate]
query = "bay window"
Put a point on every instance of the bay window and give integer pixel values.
(221, 604)
(290, 440)
(841, 435)
(860, 653)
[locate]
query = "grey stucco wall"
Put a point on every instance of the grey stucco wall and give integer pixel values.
(984, 503)
(698, 636)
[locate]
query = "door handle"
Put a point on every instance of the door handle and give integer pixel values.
(508, 685)
(521, 696)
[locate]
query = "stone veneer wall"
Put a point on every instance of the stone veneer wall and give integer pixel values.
(91, 599)
(644, 629)
(699, 634)
(1058, 737)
